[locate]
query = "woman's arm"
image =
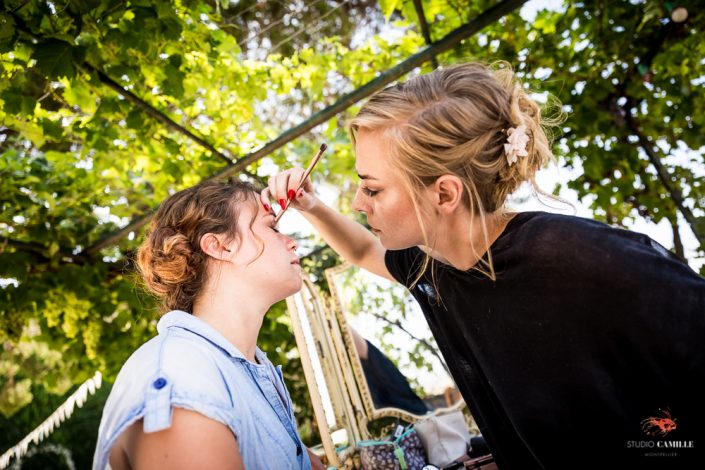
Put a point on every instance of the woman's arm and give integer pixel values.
(192, 441)
(349, 239)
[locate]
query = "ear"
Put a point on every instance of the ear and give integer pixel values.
(447, 193)
(214, 247)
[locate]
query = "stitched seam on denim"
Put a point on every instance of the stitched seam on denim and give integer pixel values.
(199, 398)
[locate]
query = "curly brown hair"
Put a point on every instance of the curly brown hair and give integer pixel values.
(170, 259)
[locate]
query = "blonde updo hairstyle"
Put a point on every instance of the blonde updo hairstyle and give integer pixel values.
(455, 121)
(170, 260)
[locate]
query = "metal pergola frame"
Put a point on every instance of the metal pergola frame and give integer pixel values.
(429, 53)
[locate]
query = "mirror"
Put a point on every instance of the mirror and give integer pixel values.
(367, 353)
(398, 368)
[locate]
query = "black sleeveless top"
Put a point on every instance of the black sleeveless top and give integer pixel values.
(590, 340)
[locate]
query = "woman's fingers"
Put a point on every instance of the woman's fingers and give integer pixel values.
(265, 199)
(282, 187)
(294, 181)
(307, 186)
(270, 195)
(281, 183)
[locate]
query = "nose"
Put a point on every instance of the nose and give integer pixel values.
(291, 243)
(358, 201)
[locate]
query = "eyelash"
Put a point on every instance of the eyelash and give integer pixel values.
(369, 192)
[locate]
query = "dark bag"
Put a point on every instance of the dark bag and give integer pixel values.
(403, 453)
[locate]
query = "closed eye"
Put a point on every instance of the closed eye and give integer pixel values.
(369, 192)
(275, 229)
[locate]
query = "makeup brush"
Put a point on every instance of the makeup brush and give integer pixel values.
(303, 178)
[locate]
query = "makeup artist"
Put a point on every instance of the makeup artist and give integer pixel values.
(575, 344)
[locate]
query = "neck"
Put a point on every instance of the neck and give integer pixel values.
(462, 241)
(234, 313)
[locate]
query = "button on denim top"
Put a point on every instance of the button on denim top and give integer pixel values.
(190, 365)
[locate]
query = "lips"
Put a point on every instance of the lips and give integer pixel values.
(296, 262)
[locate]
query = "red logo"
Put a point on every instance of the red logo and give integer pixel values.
(659, 425)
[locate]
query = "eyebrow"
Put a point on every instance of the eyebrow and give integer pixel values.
(366, 177)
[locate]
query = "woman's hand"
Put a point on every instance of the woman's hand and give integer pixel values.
(351, 240)
(282, 186)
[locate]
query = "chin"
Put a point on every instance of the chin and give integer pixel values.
(288, 290)
(392, 244)
(293, 285)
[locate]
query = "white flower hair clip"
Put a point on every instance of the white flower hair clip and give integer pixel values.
(517, 140)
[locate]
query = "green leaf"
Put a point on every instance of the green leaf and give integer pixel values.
(78, 93)
(7, 29)
(173, 83)
(78, 54)
(54, 58)
(52, 129)
(135, 120)
(53, 248)
(12, 99)
(388, 7)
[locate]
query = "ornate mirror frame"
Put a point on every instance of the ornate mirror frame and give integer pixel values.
(371, 411)
(334, 409)
(340, 396)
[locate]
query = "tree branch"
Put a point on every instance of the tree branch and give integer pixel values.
(418, 6)
(677, 242)
(623, 116)
(665, 178)
(426, 344)
(151, 110)
(131, 97)
(34, 248)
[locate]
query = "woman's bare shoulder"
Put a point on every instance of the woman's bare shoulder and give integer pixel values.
(192, 441)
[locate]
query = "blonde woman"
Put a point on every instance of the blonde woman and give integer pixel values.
(201, 394)
(568, 338)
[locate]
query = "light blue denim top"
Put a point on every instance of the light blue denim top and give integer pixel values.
(190, 365)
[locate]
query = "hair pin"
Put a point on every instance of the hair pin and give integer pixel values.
(517, 141)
